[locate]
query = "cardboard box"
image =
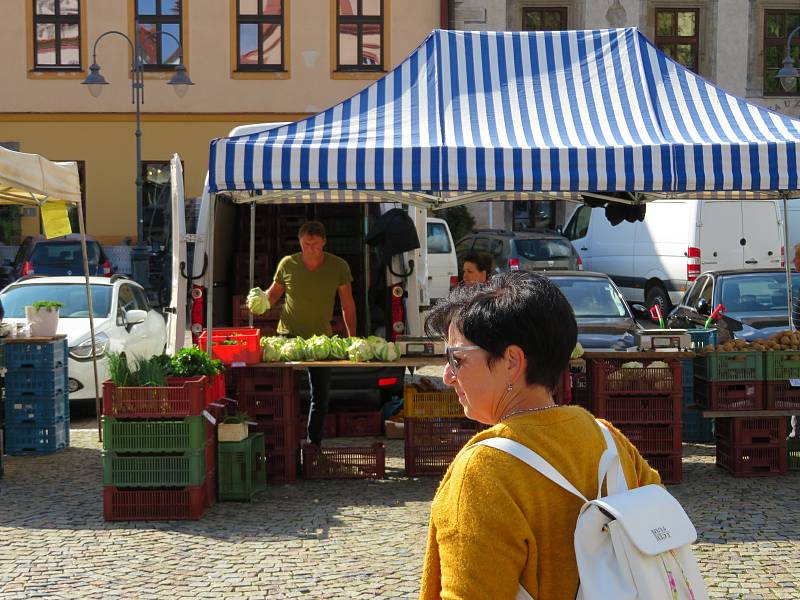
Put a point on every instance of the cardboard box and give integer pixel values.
(394, 430)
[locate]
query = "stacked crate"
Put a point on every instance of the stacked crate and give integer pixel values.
(242, 468)
(36, 404)
(752, 446)
(725, 381)
(435, 430)
(269, 398)
(696, 428)
(645, 404)
(780, 367)
(159, 450)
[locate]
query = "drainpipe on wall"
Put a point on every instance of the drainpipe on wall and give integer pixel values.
(446, 12)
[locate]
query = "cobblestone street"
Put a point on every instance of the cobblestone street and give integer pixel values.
(337, 539)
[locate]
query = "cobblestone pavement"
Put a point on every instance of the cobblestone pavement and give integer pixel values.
(335, 539)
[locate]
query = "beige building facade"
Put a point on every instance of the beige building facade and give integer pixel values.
(251, 61)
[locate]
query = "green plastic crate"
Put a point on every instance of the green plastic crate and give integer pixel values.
(241, 469)
(730, 366)
(779, 365)
(794, 454)
(169, 470)
(154, 436)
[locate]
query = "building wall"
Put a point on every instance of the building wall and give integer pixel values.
(54, 115)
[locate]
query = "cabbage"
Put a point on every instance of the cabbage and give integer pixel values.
(658, 364)
(318, 347)
(270, 352)
(338, 348)
(376, 344)
(388, 352)
(257, 301)
(632, 365)
(577, 352)
(359, 350)
(293, 349)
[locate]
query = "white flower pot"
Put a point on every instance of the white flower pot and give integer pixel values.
(43, 321)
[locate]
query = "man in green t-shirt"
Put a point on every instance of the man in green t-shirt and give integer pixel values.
(311, 279)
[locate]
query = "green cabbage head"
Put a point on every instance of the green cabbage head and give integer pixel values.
(359, 350)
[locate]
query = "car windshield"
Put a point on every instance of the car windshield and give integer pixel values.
(592, 297)
(762, 292)
(543, 249)
(71, 295)
(63, 254)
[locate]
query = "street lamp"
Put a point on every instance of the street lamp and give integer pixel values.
(180, 83)
(789, 74)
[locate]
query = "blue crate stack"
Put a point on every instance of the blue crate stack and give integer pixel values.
(36, 401)
(695, 427)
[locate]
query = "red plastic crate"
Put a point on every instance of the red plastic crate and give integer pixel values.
(780, 395)
(669, 466)
(729, 395)
(188, 503)
(753, 461)
(639, 409)
(214, 386)
(246, 349)
(432, 444)
(655, 439)
(748, 431)
(269, 406)
(609, 377)
(186, 399)
(328, 427)
(282, 466)
(279, 436)
(344, 463)
(356, 424)
(582, 394)
(266, 380)
(562, 394)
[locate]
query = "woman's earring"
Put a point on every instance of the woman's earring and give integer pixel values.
(510, 387)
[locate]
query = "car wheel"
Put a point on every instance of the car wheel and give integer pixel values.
(658, 295)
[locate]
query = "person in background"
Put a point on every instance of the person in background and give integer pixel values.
(311, 279)
(477, 267)
(495, 522)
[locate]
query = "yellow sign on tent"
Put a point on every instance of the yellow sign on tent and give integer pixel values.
(55, 219)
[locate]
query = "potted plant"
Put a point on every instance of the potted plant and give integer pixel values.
(233, 428)
(42, 316)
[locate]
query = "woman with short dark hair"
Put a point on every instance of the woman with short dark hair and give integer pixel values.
(497, 524)
(477, 267)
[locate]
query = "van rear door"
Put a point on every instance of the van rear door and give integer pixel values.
(442, 262)
(720, 235)
(177, 313)
(762, 232)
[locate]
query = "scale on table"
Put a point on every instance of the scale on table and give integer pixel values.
(663, 340)
(419, 346)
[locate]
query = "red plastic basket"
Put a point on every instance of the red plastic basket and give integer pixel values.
(328, 427)
(186, 399)
(780, 395)
(344, 463)
(729, 395)
(748, 431)
(188, 503)
(279, 436)
(355, 424)
(432, 444)
(282, 466)
(753, 461)
(669, 466)
(234, 345)
(214, 386)
(610, 378)
(639, 409)
(654, 439)
(269, 406)
(277, 380)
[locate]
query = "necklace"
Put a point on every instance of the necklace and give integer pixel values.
(527, 410)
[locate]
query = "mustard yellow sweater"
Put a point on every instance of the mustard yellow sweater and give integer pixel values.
(496, 523)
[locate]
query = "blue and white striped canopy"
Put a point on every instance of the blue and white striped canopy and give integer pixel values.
(524, 111)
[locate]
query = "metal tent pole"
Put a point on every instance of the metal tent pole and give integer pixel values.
(210, 249)
(252, 256)
(787, 261)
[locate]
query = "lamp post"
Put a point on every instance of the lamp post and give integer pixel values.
(95, 82)
(789, 74)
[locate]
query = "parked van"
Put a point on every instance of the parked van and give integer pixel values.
(442, 261)
(653, 261)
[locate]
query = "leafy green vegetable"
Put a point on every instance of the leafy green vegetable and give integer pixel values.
(359, 350)
(47, 304)
(293, 350)
(193, 362)
(318, 347)
(257, 301)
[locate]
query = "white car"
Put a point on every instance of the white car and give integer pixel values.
(123, 322)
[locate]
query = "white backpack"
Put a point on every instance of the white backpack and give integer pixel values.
(630, 544)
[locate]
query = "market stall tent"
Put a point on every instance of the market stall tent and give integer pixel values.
(567, 111)
(32, 180)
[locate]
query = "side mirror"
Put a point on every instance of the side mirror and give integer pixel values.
(640, 311)
(703, 307)
(133, 317)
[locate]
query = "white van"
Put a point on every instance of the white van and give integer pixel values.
(652, 261)
(442, 261)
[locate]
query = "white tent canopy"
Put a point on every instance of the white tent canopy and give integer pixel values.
(30, 179)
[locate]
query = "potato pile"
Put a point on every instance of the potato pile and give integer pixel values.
(783, 340)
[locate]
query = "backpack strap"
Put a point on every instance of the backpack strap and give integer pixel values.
(533, 460)
(610, 467)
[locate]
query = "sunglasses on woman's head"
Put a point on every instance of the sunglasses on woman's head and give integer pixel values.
(455, 362)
